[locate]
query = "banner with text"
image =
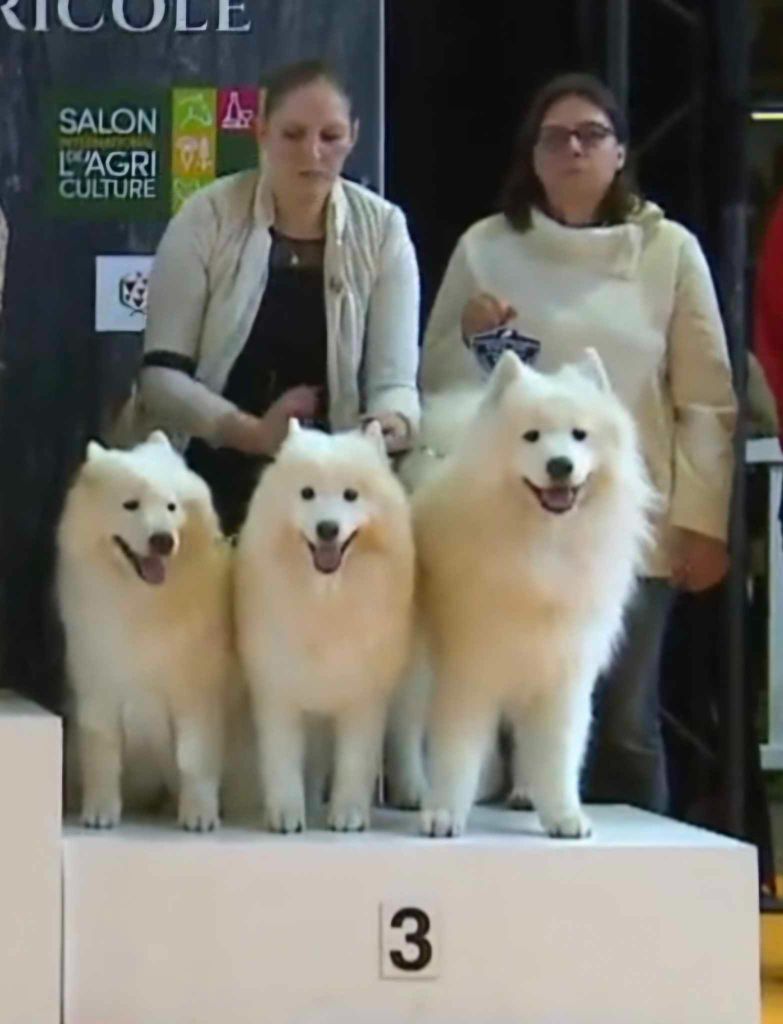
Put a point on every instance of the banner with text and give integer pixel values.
(112, 113)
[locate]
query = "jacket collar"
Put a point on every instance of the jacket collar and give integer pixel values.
(335, 215)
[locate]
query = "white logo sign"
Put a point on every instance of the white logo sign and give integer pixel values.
(237, 118)
(193, 110)
(41, 15)
(121, 292)
(195, 153)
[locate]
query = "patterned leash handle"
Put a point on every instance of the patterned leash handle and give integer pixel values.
(489, 346)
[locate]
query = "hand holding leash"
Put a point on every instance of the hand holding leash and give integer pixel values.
(485, 312)
(263, 435)
(395, 429)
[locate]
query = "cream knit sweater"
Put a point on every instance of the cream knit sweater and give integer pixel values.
(641, 294)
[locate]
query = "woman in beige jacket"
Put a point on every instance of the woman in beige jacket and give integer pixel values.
(286, 292)
(577, 259)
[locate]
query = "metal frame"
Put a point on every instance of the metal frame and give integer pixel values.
(382, 97)
(617, 61)
(728, 20)
(766, 452)
(618, 38)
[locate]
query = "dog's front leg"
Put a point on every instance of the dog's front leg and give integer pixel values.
(281, 747)
(199, 730)
(358, 743)
(405, 738)
(552, 744)
(99, 727)
(462, 722)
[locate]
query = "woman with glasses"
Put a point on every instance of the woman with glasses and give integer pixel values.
(577, 258)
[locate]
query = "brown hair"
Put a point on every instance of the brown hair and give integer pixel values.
(522, 188)
(291, 77)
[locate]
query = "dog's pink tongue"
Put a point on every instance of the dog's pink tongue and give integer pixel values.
(327, 557)
(558, 497)
(153, 569)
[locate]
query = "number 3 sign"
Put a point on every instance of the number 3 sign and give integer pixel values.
(410, 942)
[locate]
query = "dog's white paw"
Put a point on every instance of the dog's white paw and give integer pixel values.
(348, 817)
(573, 824)
(101, 811)
(198, 812)
(285, 817)
(519, 800)
(441, 822)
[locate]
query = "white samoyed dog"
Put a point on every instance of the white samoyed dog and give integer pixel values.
(324, 592)
(529, 535)
(143, 587)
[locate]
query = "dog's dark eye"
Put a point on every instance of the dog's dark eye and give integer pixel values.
(172, 506)
(350, 494)
(579, 435)
(131, 506)
(532, 436)
(307, 493)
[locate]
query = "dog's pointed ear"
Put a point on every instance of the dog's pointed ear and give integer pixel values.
(591, 366)
(95, 451)
(373, 431)
(158, 437)
(508, 369)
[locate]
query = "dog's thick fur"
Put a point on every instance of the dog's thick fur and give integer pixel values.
(143, 588)
(529, 537)
(324, 590)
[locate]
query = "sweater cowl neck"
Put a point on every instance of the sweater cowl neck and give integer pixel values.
(612, 249)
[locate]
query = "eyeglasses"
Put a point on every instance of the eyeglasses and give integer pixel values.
(555, 137)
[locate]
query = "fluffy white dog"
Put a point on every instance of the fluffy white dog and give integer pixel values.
(324, 590)
(529, 536)
(144, 594)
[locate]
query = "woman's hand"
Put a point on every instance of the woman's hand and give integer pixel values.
(699, 562)
(395, 429)
(299, 403)
(485, 312)
(263, 435)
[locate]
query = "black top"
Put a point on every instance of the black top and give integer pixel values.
(286, 347)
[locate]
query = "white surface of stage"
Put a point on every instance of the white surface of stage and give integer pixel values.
(649, 922)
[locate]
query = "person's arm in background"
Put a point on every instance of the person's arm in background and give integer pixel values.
(171, 396)
(391, 356)
(460, 310)
(768, 311)
(176, 302)
(705, 409)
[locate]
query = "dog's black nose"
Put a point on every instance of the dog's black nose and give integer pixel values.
(162, 543)
(560, 468)
(327, 529)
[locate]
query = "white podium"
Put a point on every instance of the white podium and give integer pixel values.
(648, 922)
(30, 863)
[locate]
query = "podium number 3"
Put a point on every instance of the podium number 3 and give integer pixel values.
(415, 940)
(407, 946)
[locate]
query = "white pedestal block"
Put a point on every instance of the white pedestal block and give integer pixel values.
(648, 922)
(30, 863)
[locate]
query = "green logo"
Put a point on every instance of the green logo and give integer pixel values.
(108, 154)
